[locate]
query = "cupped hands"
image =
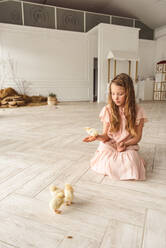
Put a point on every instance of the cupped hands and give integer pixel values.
(121, 146)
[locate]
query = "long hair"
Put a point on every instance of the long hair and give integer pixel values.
(125, 81)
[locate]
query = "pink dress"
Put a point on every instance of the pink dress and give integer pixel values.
(124, 165)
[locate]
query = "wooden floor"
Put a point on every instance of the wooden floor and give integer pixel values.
(43, 145)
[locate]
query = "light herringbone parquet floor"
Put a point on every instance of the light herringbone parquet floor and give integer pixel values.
(43, 145)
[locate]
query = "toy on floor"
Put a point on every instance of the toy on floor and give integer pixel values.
(69, 194)
(91, 131)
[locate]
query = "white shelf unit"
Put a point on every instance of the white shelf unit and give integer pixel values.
(159, 91)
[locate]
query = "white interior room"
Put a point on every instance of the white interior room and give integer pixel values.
(42, 145)
(62, 61)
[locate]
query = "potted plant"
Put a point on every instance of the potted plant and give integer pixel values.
(52, 100)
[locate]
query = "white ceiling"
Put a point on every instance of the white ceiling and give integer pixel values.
(150, 12)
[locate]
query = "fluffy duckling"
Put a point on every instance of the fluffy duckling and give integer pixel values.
(57, 202)
(91, 131)
(69, 194)
(55, 190)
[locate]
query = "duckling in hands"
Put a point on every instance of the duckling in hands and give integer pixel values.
(91, 131)
(56, 202)
(69, 194)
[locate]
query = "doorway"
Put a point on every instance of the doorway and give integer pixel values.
(95, 79)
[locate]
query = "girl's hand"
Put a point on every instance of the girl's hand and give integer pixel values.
(121, 147)
(90, 139)
(104, 138)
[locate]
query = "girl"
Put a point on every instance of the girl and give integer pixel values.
(117, 155)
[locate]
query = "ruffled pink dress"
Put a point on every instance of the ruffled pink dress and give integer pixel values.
(124, 165)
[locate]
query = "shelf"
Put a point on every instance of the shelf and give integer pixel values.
(161, 68)
(159, 86)
(159, 90)
(159, 95)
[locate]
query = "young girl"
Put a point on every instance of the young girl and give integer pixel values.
(117, 155)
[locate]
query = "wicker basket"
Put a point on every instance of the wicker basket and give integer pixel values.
(51, 100)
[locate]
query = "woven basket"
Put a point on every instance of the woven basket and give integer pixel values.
(51, 100)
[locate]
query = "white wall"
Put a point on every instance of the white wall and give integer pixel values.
(147, 51)
(160, 32)
(113, 37)
(160, 36)
(160, 49)
(51, 60)
(93, 41)
(92, 36)
(62, 61)
(150, 52)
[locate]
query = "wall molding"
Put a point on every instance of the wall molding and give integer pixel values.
(160, 32)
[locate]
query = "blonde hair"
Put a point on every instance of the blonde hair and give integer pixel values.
(125, 81)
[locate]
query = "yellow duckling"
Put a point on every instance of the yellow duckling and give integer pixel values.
(69, 194)
(57, 202)
(91, 131)
(55, 190)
